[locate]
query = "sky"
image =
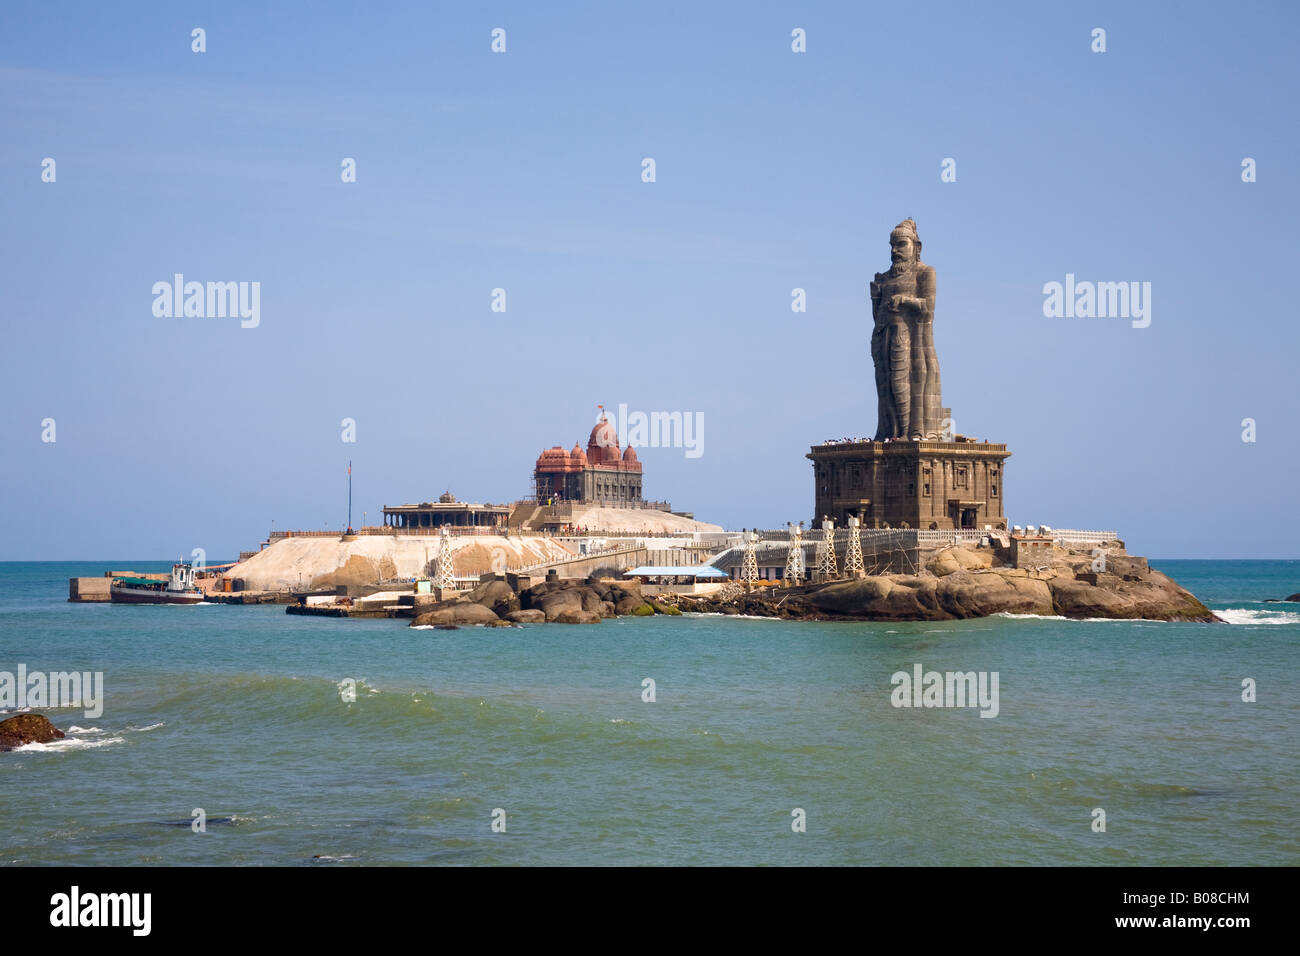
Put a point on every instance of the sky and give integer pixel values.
(523, 171)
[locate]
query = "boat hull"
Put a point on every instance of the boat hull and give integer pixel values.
(142, 596)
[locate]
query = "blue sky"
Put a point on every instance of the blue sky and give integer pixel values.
(522, 171)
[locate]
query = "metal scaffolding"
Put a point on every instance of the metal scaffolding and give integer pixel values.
(445, 577)
(853, 553)
(826, 568)
(794, 566)
(749, 564)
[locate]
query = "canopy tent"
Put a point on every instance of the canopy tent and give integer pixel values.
(669, 571)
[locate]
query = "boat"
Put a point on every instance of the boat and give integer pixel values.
(179, 589)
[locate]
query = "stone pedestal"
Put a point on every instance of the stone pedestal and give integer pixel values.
(911, 484)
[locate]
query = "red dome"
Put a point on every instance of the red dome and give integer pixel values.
(603, 444)
(558, 460)
(629, 454)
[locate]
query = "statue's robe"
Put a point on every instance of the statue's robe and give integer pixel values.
(902, 346)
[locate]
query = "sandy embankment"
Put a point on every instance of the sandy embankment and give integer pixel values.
(639, 521)
(329, 561)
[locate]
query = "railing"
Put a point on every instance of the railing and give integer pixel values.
(490, 530)
(930, 446)
(813, 535)
(1059, 535)
(451, 529)
(1062, 536)
(602, 553)
(590, 533)
(393, 532)
(950, 535)
(565, 507)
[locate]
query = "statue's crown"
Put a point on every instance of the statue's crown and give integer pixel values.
(907, 227)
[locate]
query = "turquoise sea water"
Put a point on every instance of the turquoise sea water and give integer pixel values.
(237, 710)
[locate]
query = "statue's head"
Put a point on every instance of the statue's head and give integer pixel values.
(904, 244)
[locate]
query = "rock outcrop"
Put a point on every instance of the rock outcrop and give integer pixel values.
(455, 612)
(526, 617)
(25, 729)
(955, 583)
(559, 602)
(965, 582)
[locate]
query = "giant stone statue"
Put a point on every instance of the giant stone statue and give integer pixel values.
(902, 343)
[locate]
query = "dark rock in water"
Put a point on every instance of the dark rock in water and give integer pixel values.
(568, 602)
(1295, 598)
(527, 617)
(576, 616)
(456, 611)
(27, 729)
(446, 627)
(497, 596)
(210, 821)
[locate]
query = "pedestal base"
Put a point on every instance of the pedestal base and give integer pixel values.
(910, 484)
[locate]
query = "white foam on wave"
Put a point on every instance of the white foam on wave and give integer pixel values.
(141, 730)
(68, 743)
(74, 729)
(735, 617)
(1245, 615)
(1078, 620)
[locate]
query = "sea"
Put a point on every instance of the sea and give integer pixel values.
(234, 735)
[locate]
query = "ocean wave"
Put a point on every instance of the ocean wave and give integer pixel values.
(736, 617)
(188, 823)
(68, 743)
(66, 705)
(1079, 620)
(1244, 615)
(155, 726)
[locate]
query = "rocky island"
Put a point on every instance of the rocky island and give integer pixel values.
(957, 582)
(926, 503)
(910, 524)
